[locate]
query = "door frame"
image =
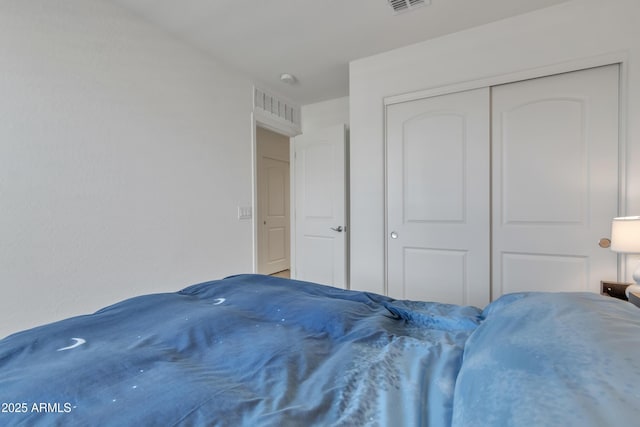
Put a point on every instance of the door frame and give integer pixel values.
(264, 121)
(621, 58)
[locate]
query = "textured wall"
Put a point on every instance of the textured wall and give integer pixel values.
(123, 157)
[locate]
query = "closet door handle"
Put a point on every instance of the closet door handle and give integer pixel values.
(604, 242)
(338, 228)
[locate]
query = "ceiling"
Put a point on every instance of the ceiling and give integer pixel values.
(313, 39)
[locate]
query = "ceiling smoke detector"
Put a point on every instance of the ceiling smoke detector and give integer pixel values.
(400, 6)
(288, 78)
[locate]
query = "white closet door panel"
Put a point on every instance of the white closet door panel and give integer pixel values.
(438, 198)
(555, 181)
(555, 154)
(426, 173)
(526, 272)
(446, 268)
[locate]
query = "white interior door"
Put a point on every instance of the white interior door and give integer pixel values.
(320, 207)
(555, 181)
(438, 225)
(273, 196)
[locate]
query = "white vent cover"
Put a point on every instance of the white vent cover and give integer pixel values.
(400, 6)
(283, 111)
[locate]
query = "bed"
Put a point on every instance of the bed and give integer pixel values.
(254, 350)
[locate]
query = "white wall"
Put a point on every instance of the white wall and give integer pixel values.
(325, 114)
(123, 157)
(578, 30)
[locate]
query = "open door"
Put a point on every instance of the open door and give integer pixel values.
(321, 231)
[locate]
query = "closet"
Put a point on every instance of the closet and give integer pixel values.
(503, 189)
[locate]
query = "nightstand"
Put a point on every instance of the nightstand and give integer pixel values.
(634, 298)
(614, 289)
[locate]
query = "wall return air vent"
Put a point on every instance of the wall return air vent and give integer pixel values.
(400, 6)
(276, 108)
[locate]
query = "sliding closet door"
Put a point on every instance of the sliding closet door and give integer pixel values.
(438, 222)
(555, 181)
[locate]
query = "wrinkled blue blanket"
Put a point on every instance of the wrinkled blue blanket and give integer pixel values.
(252, 350)
(247, 350)
(552, 359)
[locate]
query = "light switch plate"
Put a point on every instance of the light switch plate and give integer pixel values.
(244, 212)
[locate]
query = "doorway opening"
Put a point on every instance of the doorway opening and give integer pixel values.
(273, 203)
(312, 243)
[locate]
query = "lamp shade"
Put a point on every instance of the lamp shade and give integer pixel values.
(625, 234)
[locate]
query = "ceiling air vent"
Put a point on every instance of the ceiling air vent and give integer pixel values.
(400, 6)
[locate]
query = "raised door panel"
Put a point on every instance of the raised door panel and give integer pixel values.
(434, 184)
(446, 268)
(315, 160)
(278, 214)
(522, 272)
(554, 153)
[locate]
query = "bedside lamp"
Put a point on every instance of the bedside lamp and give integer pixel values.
(625, 238)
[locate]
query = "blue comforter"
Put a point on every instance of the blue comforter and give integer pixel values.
(248, 350)
(552, 359)
(259, 351)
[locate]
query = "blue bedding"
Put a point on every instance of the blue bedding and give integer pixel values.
(552, 359)
(253, 350)
(247, 350)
